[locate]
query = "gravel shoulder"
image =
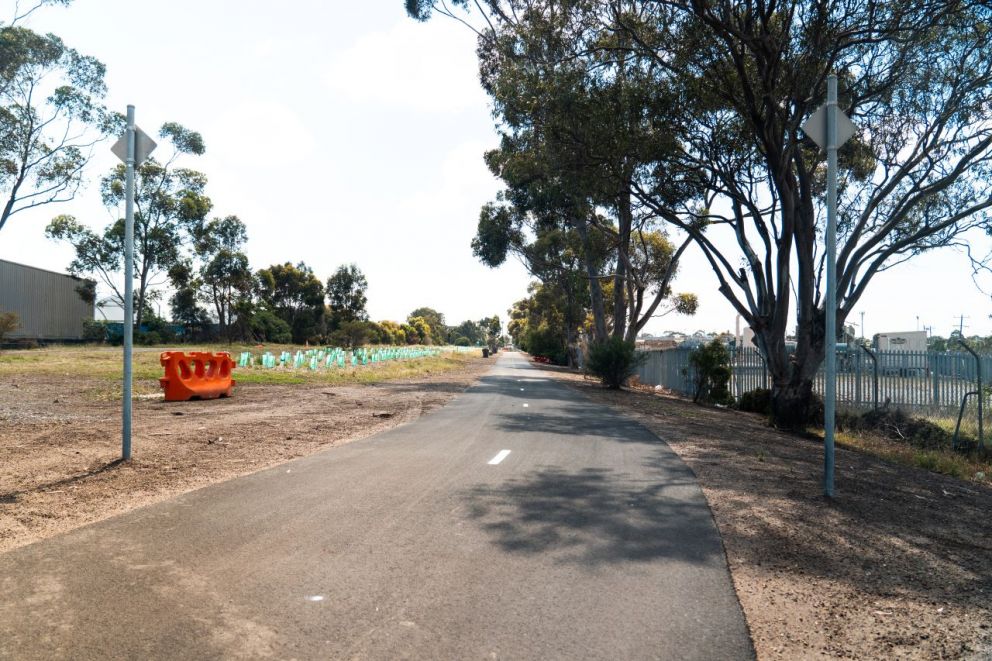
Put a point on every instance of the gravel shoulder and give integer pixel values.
(60, 439)
(899, 565)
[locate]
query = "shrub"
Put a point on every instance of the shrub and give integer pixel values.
(758, 400)
(9, 322)
(267, 327)
(712, 365)
(544, 342)
(463, 342)
(94, 331)
(614, 361)
(148, 338)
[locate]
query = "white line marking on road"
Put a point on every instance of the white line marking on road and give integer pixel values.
(521, 389)
(526, 405)
(315, 597)
(499, 457)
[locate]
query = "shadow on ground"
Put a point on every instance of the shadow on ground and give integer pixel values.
(597, 516)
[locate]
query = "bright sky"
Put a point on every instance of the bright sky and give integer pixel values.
(346, 132)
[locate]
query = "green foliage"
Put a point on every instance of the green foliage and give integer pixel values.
(758, 400)
(9, 322)
(352, 333)
(296, 296)
(711, 367)
(432, 329)
(491, 328)
(614, 361)
(51, 113)
(346, 295)
(170, 207)
(468, 329)
(94, 331)
(462, 342)
(546, 342)
(265, 326)
(225, 278)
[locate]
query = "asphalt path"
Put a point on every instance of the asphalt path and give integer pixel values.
(520, 521)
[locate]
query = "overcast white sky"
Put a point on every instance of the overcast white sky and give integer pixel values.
(343, 131)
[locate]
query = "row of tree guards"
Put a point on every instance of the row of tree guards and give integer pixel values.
(334, 357)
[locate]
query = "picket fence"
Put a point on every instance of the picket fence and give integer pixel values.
(919, 381)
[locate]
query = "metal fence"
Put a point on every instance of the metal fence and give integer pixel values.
(918, 381)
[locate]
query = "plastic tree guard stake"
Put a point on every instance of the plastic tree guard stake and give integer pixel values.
(197, 375)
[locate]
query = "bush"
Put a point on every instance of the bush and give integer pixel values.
(9, 322)
(149, 338)
(94, 331)
(545, 343)
(712, 365)
(352, 334)
(463, 342)
(614, 361)
(267, 327)
(758, 400)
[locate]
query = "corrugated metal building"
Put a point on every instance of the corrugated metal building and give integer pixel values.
(47, 302)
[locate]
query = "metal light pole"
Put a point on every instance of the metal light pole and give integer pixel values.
(128, 284)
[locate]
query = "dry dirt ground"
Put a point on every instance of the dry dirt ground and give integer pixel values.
(898, 565)
(60, 440)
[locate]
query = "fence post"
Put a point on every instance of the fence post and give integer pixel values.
(874, 359)
(936, 381)
(857, 379)
(981, 395)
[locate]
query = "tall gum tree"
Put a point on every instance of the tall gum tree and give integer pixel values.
(170, 203)
(51, 116)
(572, 107)
(915, 76)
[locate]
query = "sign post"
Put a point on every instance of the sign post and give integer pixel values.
(830, 128)
(132, 148)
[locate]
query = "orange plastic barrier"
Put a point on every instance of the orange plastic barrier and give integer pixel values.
(196, 375)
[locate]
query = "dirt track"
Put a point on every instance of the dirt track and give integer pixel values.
(60, 441)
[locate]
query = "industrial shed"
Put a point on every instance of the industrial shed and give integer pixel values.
(47, 302)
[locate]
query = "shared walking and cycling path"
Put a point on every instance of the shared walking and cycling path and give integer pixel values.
(520, 521)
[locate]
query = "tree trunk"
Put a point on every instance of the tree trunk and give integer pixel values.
(595, 290)
(792, 403)
(625, 219)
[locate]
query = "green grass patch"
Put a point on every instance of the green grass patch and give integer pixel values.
(107, 363)
(972, 466)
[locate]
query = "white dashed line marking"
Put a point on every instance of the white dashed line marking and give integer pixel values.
(526, 405)
(499, 457)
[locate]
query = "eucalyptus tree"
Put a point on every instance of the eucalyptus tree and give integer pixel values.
(170, 204)
(916, 76)
(346, 295)
(576, 113)
(295, 295)
(51, 116)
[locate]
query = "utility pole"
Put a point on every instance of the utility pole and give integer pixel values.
(862, 324)
(961, 325)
